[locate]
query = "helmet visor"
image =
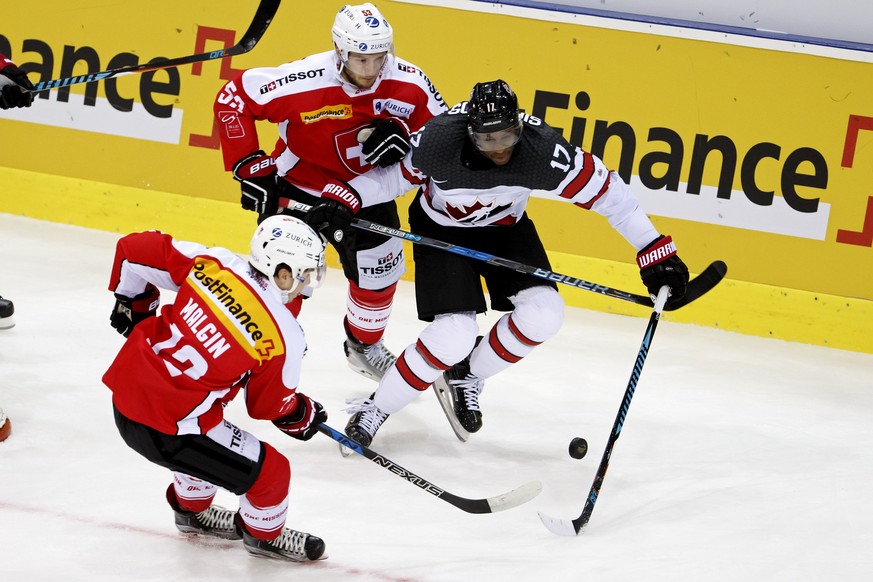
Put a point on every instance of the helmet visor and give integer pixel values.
(496, 140)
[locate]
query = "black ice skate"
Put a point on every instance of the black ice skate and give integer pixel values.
(6, 311)
(368, 360)
(214, 521)
(465, 389)
(365, 421)
(296, 546)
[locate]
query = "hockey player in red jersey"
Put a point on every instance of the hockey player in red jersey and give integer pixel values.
(340, 114)
(478, 164)
(228, 330)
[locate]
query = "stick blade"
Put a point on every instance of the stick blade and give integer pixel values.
(700, 285)
(561, 527)
(515, 497)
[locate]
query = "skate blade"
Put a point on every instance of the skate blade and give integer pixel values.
(444, 395)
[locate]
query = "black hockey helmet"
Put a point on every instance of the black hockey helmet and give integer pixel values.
(492, 108)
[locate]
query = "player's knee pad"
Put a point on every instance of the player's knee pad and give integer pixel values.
(538, 313)
(451, 337)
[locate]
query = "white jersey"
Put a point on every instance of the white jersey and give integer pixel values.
(462, 188)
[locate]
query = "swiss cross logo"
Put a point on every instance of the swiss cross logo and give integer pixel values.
(349, 150)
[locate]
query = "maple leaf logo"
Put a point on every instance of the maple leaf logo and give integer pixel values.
(474, 212)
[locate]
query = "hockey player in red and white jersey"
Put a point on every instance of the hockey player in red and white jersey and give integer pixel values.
(478, 165)
(228, 330)
(340, 114)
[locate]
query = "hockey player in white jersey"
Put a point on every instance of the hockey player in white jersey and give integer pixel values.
(478, 164)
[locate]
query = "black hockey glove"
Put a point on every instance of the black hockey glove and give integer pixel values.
(257, 176)
(302, 423)
(13, 83)
(660, 265)
(332, 214)
(386, 143)
(129, 311)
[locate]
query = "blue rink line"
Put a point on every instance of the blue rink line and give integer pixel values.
(679, 23)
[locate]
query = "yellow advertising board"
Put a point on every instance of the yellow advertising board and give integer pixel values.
(762, 158)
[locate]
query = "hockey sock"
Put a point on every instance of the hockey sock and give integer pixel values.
(192, 494)
(368, 312)
(264, 506)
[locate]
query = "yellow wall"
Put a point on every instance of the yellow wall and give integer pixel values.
(789, 268)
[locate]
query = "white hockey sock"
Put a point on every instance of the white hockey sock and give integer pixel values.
(404, 381)
(499, 349)
(263, 522)
(192, 492)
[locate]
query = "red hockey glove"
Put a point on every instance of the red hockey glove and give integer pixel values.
(660, 265)
(334, 212)
(303, 422)
(387, 142)
(129, 311)
(257, 176)
(13, 85)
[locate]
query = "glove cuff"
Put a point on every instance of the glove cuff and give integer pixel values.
(659, 250)
(344, 194)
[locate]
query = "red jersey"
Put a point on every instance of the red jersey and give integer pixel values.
(227, 329)
(319, 115)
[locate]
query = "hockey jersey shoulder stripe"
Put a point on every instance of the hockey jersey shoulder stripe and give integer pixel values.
(238, 307)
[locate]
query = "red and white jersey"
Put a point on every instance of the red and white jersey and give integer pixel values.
(318, 115)
(227, 329)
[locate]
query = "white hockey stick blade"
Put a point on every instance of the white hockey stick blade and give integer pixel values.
(515, 497)
(444, 395)
(561, 527)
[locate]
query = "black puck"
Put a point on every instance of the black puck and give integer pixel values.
(578, 447)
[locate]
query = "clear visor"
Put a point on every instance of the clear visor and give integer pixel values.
(314, 277)
(496, 140)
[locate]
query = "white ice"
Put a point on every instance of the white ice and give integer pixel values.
(742, 458)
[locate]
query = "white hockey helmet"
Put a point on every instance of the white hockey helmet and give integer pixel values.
(361, 29)
(285, 240)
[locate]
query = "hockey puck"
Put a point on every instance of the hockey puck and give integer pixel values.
(578, 447)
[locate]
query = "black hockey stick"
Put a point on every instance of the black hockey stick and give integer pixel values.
(502, 502)
(697, 287)
(566, 527)
(263, 16)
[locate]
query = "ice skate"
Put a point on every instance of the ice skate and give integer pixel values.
(6, 311)
(465, 389)
(214, 521)
(368, 360)
(365, 421)
(292, 545)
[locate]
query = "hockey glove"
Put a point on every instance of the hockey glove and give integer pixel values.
(333, 213)
(386, 144)
(13, 83)
(257, 176)
(130, 311)
(303, 422)
(660, 265)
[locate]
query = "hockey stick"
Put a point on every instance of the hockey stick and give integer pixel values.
(263, 16)
(697, 287)
(502, 502)
(565, 527)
